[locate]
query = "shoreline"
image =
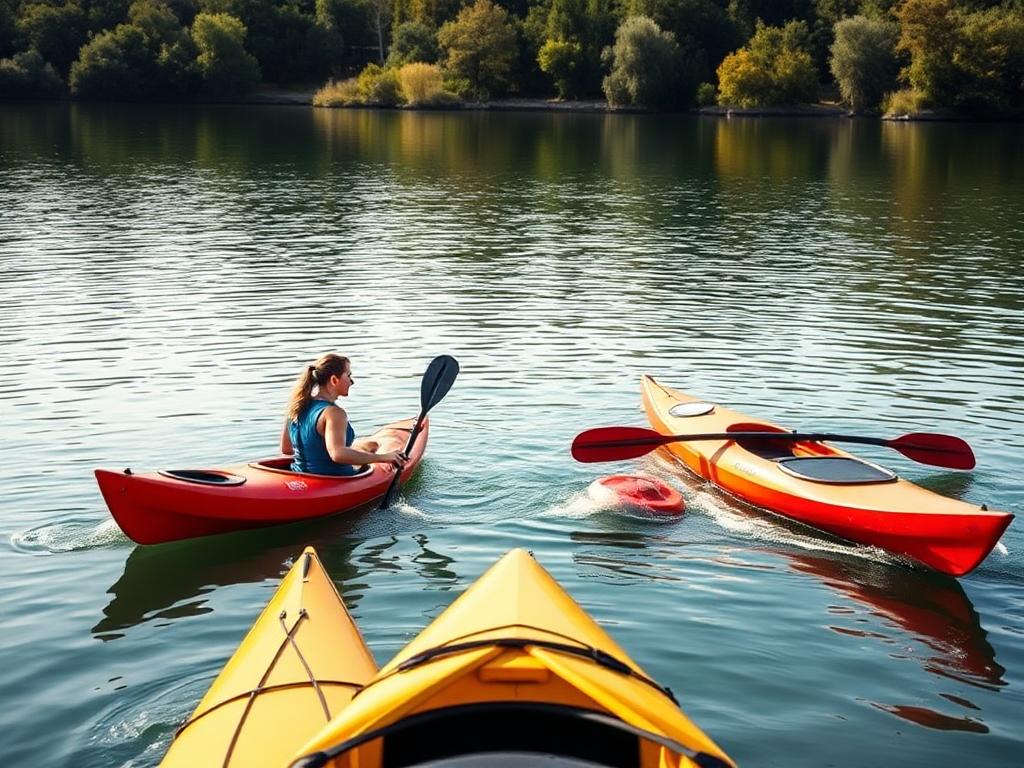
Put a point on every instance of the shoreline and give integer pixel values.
(303, 97)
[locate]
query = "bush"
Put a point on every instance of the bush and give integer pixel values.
(337, 93)
(226, 68)
(645, 65)
(707, 95)
(379, 86)
(413, 41)
(863, 60)
(774, 68)
(480, 48)
(423, 85)
(562, 60)
(901, 103)
(27, 75)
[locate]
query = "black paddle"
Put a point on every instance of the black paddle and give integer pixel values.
(437, 380)
(615, 443)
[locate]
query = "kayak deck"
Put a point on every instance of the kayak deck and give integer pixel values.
(298, 666)
(157, 507)
(878, 508)
(513, 666)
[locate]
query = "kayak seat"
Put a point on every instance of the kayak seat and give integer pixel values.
(283, 464)
(770, 449)
(492, 728)
(838, 470)
(203, 476)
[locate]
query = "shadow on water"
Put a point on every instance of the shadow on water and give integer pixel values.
(931, 607)
(171, 581)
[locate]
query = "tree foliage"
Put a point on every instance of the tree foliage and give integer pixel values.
(479, 48)
(26, 75)
(56, 31)
(774, 68)
(971, 60)
(863, 60)
(226, 67)
(413, 41)
(645, 66)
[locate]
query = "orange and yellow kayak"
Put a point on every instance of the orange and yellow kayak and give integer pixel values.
(866, 505)
(512, 673)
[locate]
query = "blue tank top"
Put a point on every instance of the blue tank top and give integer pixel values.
(310, 449)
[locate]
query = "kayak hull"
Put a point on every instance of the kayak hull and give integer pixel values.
(948, 535)
(297, 668)
(514, 664)
(158, 507)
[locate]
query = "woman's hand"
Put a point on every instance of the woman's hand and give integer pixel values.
(395, 458)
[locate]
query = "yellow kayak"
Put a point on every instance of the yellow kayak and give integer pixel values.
(300, 664)
(512, 673)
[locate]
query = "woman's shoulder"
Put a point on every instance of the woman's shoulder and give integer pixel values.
(334, 411)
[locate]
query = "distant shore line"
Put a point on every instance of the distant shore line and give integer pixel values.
(305, 98)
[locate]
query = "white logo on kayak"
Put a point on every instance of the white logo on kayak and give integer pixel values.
(297, 485)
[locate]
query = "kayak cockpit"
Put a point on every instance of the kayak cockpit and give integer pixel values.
(283, 464)
(512, 734)
(810, 460)
(203, 476)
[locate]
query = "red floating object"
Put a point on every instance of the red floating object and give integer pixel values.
(646, 493)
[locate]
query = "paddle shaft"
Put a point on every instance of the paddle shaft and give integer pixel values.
(787, 436)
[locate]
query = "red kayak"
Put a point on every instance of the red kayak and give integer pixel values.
(157, 507)
(639, 492)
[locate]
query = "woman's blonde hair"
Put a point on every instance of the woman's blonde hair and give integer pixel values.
(312, 376)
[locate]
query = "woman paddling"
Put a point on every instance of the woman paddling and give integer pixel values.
(317, 433)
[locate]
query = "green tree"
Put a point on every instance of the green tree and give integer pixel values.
(413, 41)
(479, 48)
(774, 68)
(645, 65)
(8, 27)
(116, 64)
(700, 26)
(562, 61)
(226, 67)
(56, 31)
(531, 34)
(579, 30)
(27, 75)
(286, 38)
(929, 35)
(149, 56)
(863, 60)
(991, 55)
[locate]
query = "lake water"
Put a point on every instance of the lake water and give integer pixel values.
(165, 272)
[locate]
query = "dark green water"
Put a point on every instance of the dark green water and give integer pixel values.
(165, 272)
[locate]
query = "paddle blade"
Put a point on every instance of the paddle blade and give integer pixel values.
(437, 380)
(615, 443)
(935, 449)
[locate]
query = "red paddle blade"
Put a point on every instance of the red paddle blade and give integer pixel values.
(935, 449)
(615, 443)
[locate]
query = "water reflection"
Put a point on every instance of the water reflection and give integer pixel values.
(172, 581)
(930, 607)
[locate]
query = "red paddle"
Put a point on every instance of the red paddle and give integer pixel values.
(615, 443)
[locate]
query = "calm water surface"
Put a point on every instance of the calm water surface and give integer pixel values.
(166, 272)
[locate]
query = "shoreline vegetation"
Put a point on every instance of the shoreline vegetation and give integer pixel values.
(898, 59)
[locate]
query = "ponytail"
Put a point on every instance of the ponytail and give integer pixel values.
(312, 376)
